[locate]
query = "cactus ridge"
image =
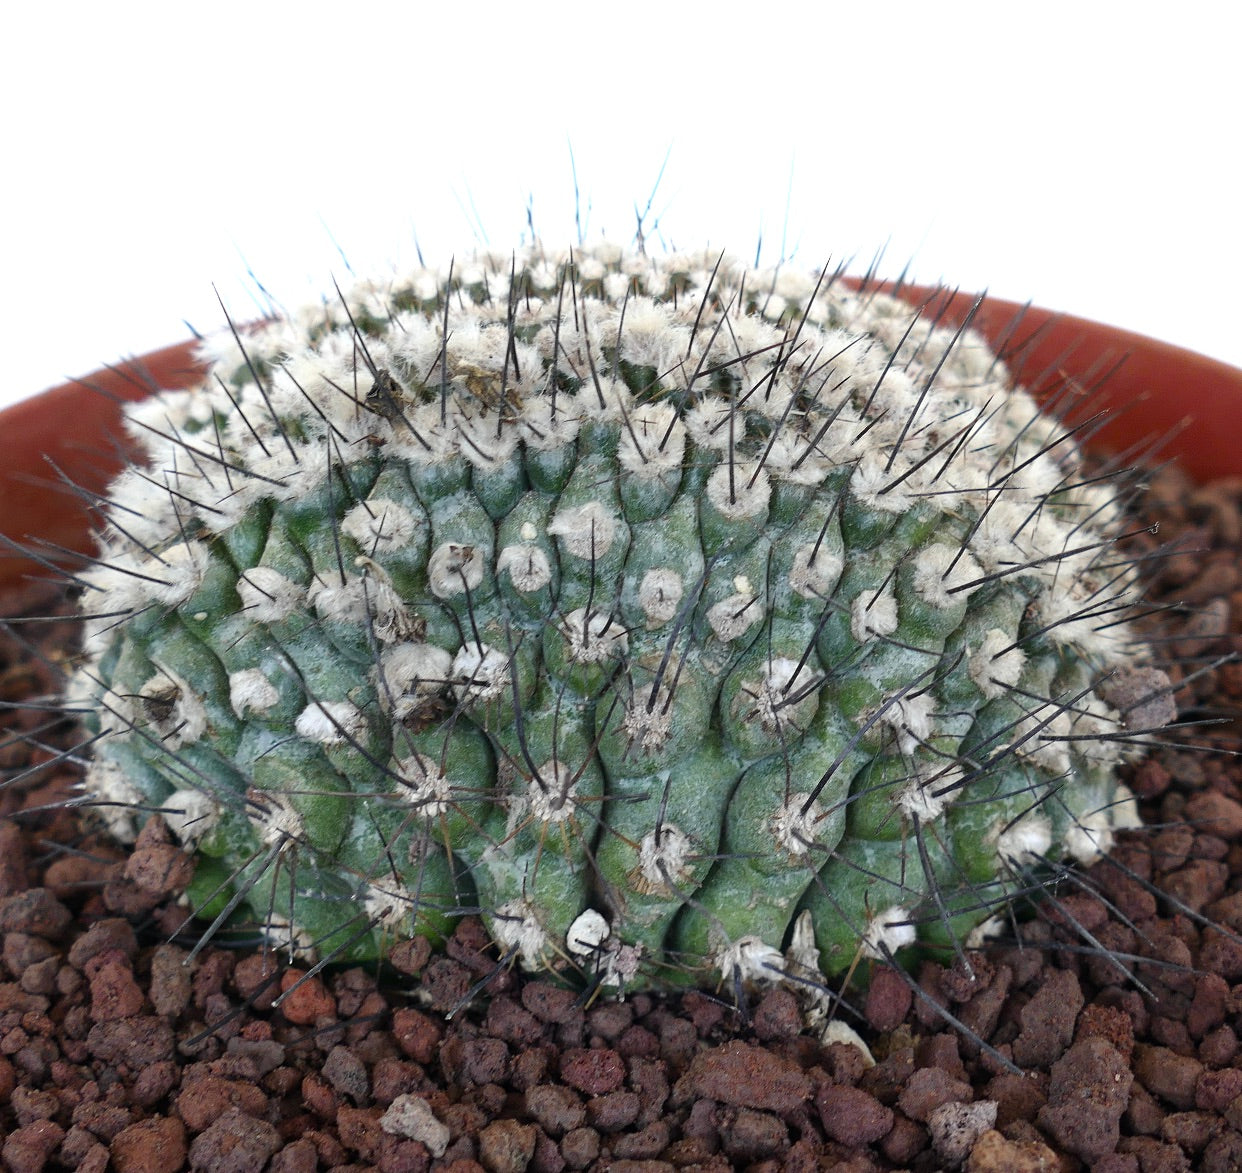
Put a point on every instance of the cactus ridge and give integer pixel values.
(688, 621)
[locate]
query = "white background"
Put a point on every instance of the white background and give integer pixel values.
(1083, 156)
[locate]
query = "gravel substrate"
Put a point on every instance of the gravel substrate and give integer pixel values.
(1119, 1008)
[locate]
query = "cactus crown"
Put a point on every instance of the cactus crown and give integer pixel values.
(663, 610)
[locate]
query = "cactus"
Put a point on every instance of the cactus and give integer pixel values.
(664, 611)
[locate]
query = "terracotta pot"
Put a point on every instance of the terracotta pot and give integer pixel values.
(1158, 398)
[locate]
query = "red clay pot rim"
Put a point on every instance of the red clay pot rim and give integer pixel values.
(1158, 401)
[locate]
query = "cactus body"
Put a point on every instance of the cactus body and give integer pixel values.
(639, 603)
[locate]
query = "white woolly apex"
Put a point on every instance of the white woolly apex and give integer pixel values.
(941, 575)
(889, 929)
(480, 674)
(616, 285)
(749, 961)
(733, 617)
(550, 793)
(997, 665)
(113, 798)
(267, 595)
(663, 861)
(927, 794)
(169, 709)
(793, 827)
(653, 441)
(190, 815)
(739, 491)
(816, 568)
(595, 638)
(412, 675)
(250, 691)
(773, 307)
(454, 568)
(418, 341)
(331, 723)
(516, 928)
(423, 785)
(274, 817)
(1025, 841)
(474, 353)
(314, 349)
(793, 284)
(381, 526)
(593, 263)
(526, 565)
(660, 594)
(586, 530)
(321, 389)
(873, 615)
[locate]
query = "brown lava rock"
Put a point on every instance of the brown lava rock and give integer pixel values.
(1089, 1091)
(745, 1075)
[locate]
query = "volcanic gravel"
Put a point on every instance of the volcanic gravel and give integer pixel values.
(1117, 1004)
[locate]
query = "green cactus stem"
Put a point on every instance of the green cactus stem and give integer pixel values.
(641, 604)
